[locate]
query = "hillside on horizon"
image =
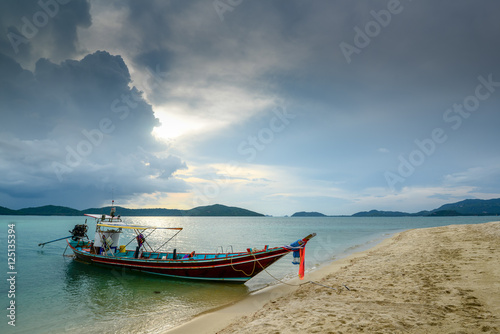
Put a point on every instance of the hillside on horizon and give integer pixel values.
(308, 214)
(216, 210)
(468, 207)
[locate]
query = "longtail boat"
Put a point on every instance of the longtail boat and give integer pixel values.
(105, 250)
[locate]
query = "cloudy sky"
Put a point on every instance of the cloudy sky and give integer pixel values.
(274, 106)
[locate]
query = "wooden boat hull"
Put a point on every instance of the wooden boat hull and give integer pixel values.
(233, 267)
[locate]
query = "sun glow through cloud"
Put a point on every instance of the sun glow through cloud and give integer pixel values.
(173, 126)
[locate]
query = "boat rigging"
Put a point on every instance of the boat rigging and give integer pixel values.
(106, 250)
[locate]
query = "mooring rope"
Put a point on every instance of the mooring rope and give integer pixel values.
(286, 283)
(243, 270)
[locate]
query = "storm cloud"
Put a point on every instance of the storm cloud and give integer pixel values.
(32, 29)
(276, 106)
(73, 132)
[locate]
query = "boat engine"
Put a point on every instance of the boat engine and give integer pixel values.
(79, 232)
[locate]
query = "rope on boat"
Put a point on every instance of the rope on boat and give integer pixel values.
(286, 283)
(65, 249)
(253, 270)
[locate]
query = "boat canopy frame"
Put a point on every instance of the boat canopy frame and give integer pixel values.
(117, 223)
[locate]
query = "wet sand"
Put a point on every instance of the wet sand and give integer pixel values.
(435, 280)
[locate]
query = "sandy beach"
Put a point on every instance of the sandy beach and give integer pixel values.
(434, 280)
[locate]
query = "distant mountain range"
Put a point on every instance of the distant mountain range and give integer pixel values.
(468, 207)
(211, 210)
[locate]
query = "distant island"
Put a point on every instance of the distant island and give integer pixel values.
(468, 207)
(308, 214)
(216, 210)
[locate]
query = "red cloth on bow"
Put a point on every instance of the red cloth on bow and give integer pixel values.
(302, 260)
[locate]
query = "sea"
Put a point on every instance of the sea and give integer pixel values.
(45, 291)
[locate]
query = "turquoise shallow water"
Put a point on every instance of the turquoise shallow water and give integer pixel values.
(54, 294)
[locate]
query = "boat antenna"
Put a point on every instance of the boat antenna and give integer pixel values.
(113, 209)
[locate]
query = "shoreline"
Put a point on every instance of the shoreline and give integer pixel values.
(428, 280)
(214, 320)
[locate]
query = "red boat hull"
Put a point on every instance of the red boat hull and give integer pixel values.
(234, 267)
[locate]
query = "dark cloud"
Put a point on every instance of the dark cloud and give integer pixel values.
(73, 131)
(356, 114)
(423, 58)
(425, 48)
(32, 29)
